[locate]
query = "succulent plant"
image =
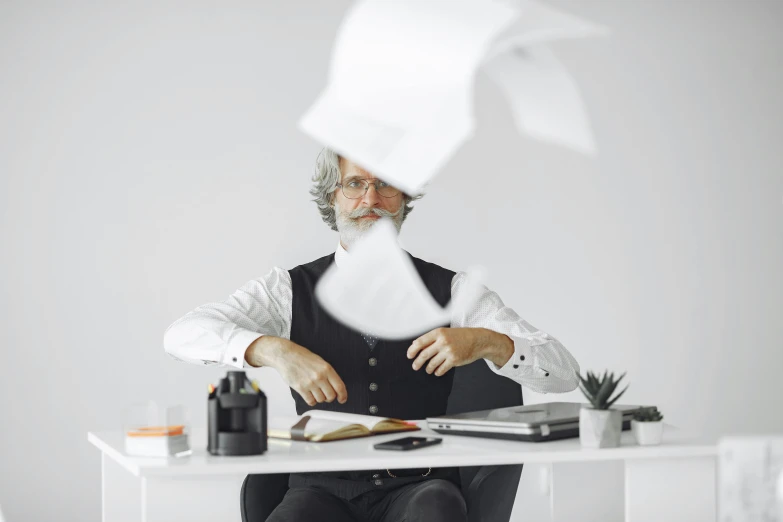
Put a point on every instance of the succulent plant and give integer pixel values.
(647, 415)
(599, 390)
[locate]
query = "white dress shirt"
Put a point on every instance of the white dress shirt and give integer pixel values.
(220, 333)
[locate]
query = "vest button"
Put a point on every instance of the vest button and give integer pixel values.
(373, 409)
(376, 476)
(373, 386)
(379, 482)
(373, 361)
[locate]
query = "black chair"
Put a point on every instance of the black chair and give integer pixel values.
(489, 490)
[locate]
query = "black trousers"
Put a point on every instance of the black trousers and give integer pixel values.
(434, 500)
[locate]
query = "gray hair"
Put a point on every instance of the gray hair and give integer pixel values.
(325, 179)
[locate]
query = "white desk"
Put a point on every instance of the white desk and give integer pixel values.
(674, 481)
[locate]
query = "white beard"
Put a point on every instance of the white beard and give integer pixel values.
(352, 229)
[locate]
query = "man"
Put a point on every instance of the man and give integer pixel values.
(276, 321)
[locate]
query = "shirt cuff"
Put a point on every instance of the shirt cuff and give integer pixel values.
(235, 351)
(521, 362)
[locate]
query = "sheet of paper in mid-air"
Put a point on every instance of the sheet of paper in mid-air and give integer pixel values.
(399, 99)
(406, 156)
(544, 98)
(377, 290)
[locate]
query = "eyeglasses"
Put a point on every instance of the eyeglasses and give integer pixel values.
(357, 188)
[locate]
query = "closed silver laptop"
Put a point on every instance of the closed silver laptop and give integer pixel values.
(530, 423)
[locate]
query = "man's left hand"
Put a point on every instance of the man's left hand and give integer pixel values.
(447, 348)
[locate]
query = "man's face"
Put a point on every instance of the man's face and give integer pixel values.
(355, 216)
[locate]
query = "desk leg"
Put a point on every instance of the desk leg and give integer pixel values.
(194, 499)
(670, 489)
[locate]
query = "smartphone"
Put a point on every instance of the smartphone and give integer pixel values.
(408, 443)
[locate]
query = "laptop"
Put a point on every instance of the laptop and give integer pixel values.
(530, 423)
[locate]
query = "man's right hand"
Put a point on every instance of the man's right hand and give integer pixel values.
(307, 373)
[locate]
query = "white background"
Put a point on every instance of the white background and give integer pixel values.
(150, 162)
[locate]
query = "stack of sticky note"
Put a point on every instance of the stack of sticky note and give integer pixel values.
(157, 441)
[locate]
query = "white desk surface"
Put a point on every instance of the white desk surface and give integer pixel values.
(285, 456)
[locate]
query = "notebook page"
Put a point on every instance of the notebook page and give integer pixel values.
(332, 416)
(315, 426)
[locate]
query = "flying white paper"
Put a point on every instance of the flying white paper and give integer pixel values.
(400, 89)
(541, 24)
(544, 98)
(394, 59)
(377, 289)
(406, 157)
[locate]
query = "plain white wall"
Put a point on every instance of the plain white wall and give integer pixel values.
(150, 162)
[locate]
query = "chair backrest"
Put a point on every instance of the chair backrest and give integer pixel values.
(475, 387)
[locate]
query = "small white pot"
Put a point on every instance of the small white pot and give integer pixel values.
(600, 428)
(647, 433)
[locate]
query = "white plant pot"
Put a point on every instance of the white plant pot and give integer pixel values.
(647, 433)
(600, 428)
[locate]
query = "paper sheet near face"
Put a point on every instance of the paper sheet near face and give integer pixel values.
(377, 290)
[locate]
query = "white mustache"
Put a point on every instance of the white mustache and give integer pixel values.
(366, 211)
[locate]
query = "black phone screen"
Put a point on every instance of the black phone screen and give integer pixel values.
(408, 443)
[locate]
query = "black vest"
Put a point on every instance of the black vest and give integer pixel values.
(380, 381)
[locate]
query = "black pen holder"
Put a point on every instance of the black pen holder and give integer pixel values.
(236, 412)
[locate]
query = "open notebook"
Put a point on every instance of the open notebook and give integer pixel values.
(324, 426)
